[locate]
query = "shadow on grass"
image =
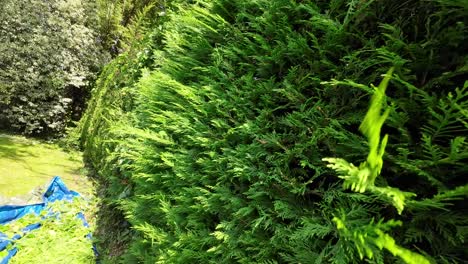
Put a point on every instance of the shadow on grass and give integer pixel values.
(38, 159)
(112, 233)
(28, 163)
(14, 149)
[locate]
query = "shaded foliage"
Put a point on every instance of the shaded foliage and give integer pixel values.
(120, 21)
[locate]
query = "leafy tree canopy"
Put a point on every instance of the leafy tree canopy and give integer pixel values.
(49, 53)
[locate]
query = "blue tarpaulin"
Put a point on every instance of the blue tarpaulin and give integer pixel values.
(57, 190)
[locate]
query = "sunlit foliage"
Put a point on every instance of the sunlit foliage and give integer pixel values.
(211, 133)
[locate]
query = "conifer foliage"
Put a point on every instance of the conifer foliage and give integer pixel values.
(212, 137)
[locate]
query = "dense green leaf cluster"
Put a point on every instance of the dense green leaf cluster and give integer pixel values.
(120, 20)
(49, 53)
(212, 137)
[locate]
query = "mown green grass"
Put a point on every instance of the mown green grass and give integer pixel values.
(26, 164)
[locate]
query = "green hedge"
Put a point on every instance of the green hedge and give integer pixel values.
(219, 159)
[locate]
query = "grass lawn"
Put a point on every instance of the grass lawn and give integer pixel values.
(26, 164)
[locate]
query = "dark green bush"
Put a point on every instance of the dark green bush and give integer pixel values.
(219, 157)
(48, 57)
